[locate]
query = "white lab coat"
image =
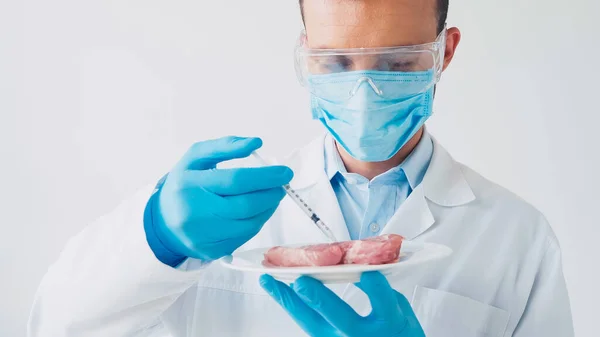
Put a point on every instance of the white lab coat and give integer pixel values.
(503, 279)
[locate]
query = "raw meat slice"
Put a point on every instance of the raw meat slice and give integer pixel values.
(317, 255)
(377, 250)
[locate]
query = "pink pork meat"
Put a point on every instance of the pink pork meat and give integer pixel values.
(377, 250)
(316, 255)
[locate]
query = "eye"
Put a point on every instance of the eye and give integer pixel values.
(402, 66)
(400, 63)
(335, 64)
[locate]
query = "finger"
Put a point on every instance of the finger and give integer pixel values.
(308, 319)
(380, 293)
(244, 228)
(207, 154)
(245, 206)
(226, 182)
(222, 242)
(324, 301)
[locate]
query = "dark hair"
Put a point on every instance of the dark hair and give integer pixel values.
(442, 13)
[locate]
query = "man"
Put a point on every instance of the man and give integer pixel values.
(371, 67)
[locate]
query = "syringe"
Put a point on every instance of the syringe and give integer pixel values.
(303, 205)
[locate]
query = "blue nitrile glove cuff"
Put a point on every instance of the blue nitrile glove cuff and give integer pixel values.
(162, 253)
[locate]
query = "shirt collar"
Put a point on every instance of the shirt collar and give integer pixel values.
(412, 169)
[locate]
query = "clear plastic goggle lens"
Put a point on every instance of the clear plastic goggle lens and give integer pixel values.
(399, 62)
(415, 68)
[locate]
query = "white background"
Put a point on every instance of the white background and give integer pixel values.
(98, 98)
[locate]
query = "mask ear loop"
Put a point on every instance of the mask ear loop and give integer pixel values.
(360, 81)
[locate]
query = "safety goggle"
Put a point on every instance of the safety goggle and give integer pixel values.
(417, 67)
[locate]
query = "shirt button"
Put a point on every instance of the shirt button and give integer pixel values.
(374, 227)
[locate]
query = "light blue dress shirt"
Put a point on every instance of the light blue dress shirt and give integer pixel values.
(368, 205)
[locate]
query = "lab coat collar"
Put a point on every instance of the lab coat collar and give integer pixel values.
(443, 183)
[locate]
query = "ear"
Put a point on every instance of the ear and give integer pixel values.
(452, 40)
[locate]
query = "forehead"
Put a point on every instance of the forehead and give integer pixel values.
(369, 23)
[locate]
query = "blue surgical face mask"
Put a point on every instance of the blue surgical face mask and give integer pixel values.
(372, 114)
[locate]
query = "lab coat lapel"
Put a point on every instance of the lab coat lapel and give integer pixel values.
(412, 218)
(443, 184)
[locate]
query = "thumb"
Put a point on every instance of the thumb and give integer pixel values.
(380, 293)
(207, 154)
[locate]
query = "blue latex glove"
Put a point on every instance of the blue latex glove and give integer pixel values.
(320, 312)
(207, 213)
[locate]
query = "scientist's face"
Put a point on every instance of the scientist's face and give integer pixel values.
(374, 23)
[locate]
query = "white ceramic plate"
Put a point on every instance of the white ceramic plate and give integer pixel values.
(411, 255)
